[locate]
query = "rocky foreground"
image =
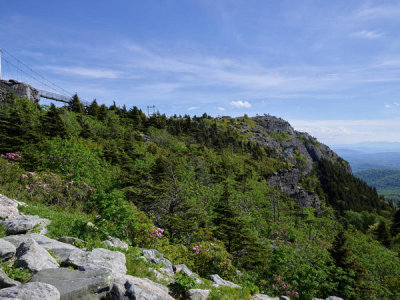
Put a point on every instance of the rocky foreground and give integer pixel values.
(64, 271)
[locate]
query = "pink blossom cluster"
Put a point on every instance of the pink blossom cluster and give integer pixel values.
(196, 249)
(157, 233)
(12, 156)
(281, 286)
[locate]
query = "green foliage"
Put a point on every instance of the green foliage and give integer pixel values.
(15, 273)
(182, 284)
(203, 185)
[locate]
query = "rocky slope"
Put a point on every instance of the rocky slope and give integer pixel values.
(299, 149)
(63, 271)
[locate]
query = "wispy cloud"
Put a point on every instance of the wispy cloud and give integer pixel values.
(221, 108)
(383, 11)
(193, 108)
(370, 35)
(84, 71)
(240, 104)
(350, 131)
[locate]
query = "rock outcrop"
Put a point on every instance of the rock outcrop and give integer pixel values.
(19, 89)
(32, 291)
(32, 256)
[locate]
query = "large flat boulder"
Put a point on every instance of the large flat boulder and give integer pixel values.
(23, 223)
(218, 281)
(6, 281)
(32, 256)
(142, 288)
(8, 207)
(73, 284)
(30, 291)
(7, 250)
(44, 241)
(113, 260)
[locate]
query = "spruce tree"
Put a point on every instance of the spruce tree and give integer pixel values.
(76, 106)
(52, 123)
(382, 234)
(395, 229)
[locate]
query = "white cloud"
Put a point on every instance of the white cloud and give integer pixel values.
(193, 108)
(379, 12)
(370, 35)
(350, 131)
(396, 103)
(240, 104)
(84, 72)
(387, 105)
(221, 108)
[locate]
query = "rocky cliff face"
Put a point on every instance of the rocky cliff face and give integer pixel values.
(299, 149)
(19, 89)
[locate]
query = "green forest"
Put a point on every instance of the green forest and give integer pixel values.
(386, 182)
(197, 190)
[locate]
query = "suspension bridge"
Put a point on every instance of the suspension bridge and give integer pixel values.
(17, 76)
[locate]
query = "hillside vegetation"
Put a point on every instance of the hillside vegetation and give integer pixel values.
(228, 194)
(387, 182)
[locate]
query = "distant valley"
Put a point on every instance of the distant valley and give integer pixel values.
(378, 164)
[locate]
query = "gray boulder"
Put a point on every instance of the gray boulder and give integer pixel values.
(22, 224)
(114, 242)
(113, 260)
(218, 281)
(44, 241)
(334, 298)
(70, 240)
(263, 297)
(156, 257)
(72, 284)
(161, 276)
(32, 256)
(8, 207)
(118, 292)
(198, 294)
(142, 288)
(7, 250)
(187, 271)
(6, 281)
(31, 291)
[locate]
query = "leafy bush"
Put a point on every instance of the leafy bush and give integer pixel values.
(182, 284)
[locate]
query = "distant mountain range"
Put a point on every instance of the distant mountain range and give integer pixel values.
(373, 155)
(377, 163)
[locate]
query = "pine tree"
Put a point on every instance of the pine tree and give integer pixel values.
(52, 123)
(395, 229)
(382, 234)
(93, 108)
(76, 106)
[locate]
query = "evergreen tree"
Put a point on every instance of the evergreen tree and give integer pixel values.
(93, 108)
(52, 123)
(382, 234)
(395, 229)
(76, 106)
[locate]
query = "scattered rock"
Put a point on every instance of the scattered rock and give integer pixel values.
(187, 271)
(218, 281)
(44, 241)
(334, 298)
(142, 288)
(114, 242)
(117, 292)
(263, 297)
(8, 207)
(72, 284)
(160, 276)
(198, 294)
(32, 256)
(157, 257)
(70, 240)
(6, 281)
(284, 298)
(113, 260)
(7, 250)
(32, 291)
(22, 224)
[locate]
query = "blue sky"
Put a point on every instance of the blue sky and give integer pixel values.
(331, 68)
